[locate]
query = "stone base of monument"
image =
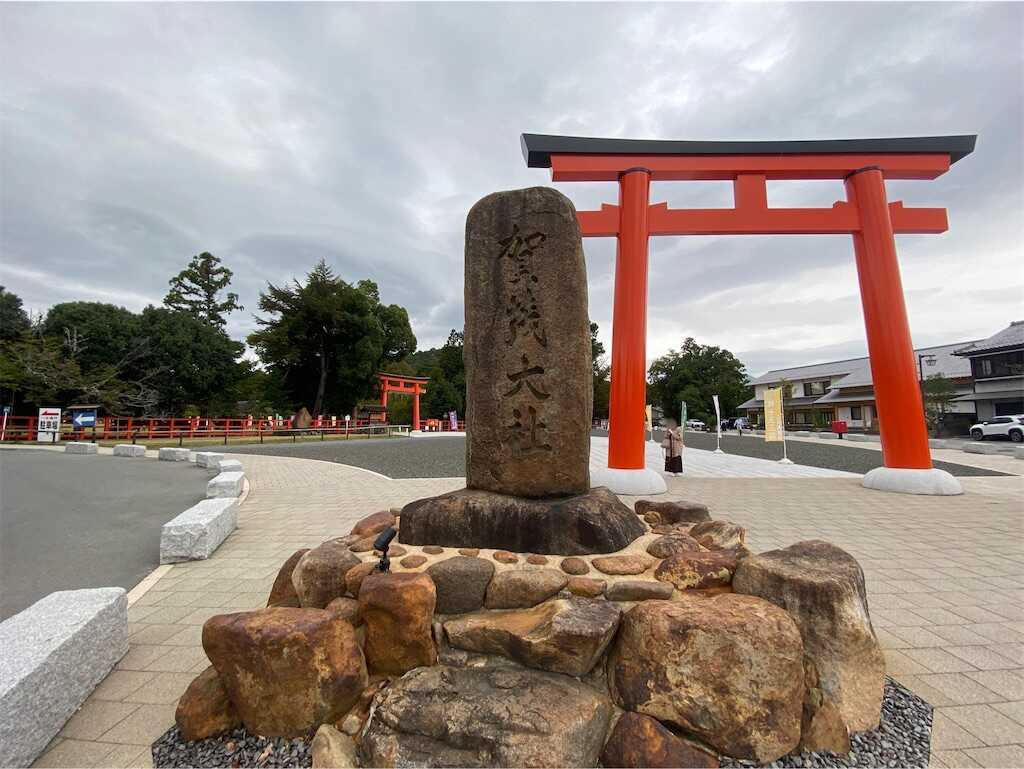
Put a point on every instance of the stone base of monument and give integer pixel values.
(934, 482)
(682, 649)
(594, 522)
(632, 483)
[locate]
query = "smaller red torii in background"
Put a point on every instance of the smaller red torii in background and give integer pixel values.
(406, 385)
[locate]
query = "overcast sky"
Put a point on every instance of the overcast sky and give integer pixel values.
(134, 136)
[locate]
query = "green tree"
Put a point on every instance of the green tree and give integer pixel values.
(95, 334)
(938, 393)
(694, 373)
(40, 369)
(14, 321)
(601, 372)
(442, 397)
(326, 339)
(189, 361)
(197, 288)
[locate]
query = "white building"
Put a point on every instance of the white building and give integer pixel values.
(816, 395)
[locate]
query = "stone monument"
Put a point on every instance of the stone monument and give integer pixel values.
(529, 392)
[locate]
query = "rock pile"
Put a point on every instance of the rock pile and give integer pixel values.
(683, 649)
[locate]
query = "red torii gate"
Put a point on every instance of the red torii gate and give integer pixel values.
(407, 385)
(863, 164)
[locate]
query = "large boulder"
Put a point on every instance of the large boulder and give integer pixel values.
(822, 587)
(673, 512)
(697, 570)
(595, 521)
(283, 592)
(354, 577)
(319, 576)
(332, 749)
(719, 535)
(562, 635)
(286, 670)
(726, 668)
(673, 544)
(205, 710)
(484, 717)
(523, 589)
(374, 524)
(398, 610)
(461, 583)
(639, 741)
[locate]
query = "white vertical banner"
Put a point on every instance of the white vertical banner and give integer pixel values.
(718, 424)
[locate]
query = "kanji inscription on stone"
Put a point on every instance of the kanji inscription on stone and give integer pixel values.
(527, 346)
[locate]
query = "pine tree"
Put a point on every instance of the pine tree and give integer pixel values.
(195, 290)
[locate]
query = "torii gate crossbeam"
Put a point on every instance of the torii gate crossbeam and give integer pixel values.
(866, 215)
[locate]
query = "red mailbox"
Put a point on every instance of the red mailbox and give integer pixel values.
(839, 427)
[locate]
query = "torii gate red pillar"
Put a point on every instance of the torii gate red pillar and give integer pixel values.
(866, 215)
(408, 385)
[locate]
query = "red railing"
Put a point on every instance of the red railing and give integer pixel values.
(21, 428)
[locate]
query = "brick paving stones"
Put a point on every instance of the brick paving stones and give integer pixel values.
(945, 578)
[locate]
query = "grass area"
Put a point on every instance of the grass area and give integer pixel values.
(157, 443)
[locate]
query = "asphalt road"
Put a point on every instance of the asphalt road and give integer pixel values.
(442, 457)
(73, 521)
(446, 457)
(831, 454)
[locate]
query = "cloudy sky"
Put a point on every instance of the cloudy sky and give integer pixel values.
(134, 136)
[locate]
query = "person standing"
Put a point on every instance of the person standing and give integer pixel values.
(672, 443)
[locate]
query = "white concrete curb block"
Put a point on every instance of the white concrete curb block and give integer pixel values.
(80, 448)
(173, 455)
(230, 466)
(803, 433)
(129, 450)
(197, 532)
(208, 459)
(857, 438)
(977, 447)
(55, 652)
(828, 435)
(1018, 453)
(937, 443)
(225, 485)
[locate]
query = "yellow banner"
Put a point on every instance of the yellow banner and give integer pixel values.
(774, 424)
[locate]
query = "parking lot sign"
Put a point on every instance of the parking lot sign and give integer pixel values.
(48, 425)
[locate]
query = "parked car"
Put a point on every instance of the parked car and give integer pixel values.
(742, 423)
(1011, 427)
(694, 424)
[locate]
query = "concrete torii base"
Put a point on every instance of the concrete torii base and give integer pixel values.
(632, 483)
(905, 481)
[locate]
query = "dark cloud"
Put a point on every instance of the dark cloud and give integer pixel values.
(134, 136)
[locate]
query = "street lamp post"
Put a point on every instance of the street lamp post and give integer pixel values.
(920, 369)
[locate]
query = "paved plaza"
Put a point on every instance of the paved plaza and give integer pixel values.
(945, 577)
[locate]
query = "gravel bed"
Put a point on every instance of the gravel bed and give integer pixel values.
(902, 739)
(237, 748)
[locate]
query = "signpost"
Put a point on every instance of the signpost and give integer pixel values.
(718, 424)
(774, 422)
(84, 418)
(3, 430)
(48, 425)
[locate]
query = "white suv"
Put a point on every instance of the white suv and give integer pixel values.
(1004, 427)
